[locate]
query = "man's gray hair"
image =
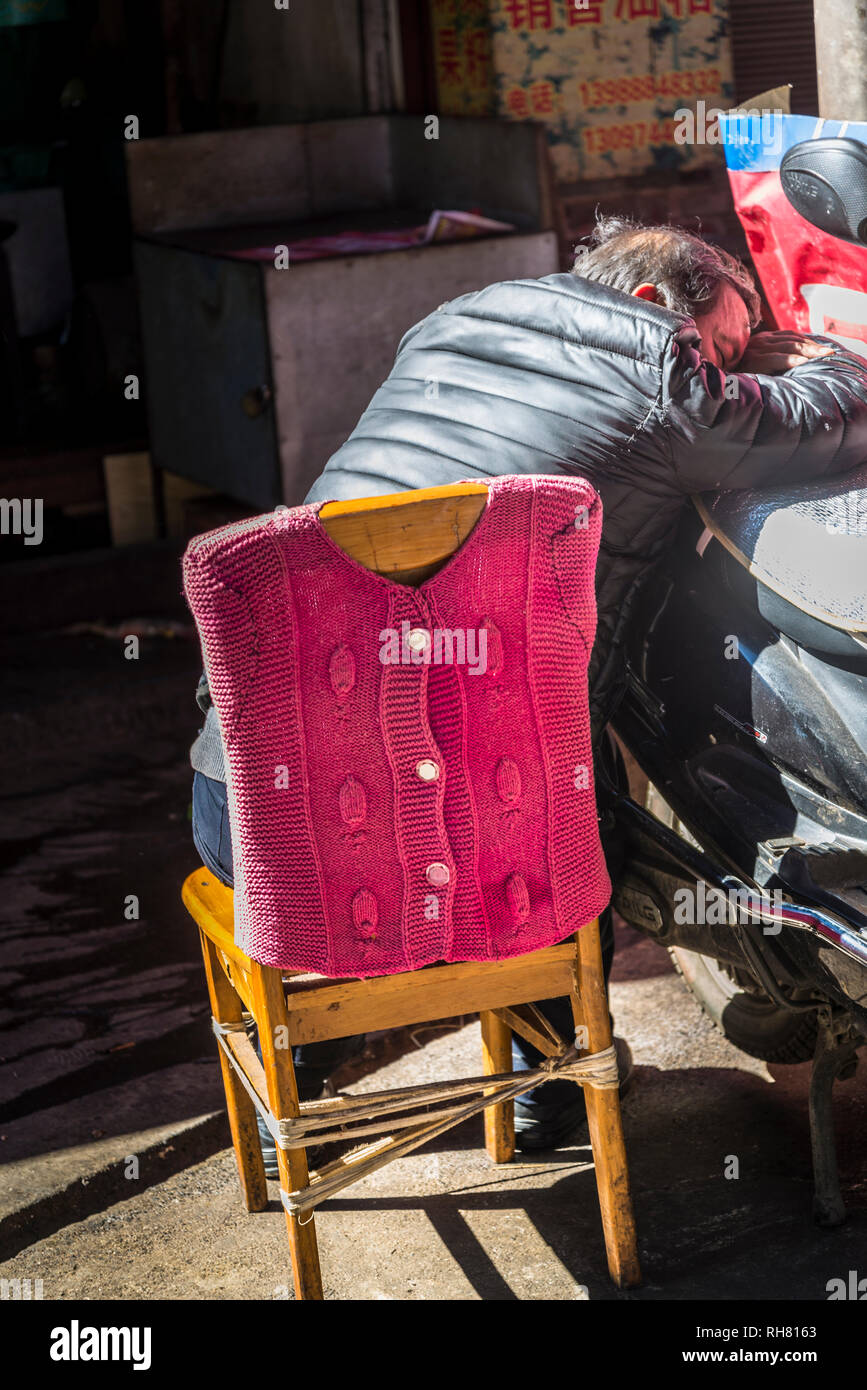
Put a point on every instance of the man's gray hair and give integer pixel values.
(688, 272)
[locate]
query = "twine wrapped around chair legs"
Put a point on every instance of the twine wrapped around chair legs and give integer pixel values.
(354, 1117)
(598, 1070)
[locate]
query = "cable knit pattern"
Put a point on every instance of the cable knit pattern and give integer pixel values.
(428, 800)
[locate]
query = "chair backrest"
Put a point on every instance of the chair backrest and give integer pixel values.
(407, 536)
(334, 724)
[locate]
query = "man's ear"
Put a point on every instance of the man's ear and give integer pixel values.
(650, 292)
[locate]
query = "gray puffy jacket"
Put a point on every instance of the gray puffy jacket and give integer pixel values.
(564, 375)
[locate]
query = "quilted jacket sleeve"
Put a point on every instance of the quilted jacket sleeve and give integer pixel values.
(745, 431)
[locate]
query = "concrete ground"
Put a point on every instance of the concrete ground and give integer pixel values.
(117, 1181)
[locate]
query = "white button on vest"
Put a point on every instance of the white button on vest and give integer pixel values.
(418, 638)
(438, 874)
(427, 770)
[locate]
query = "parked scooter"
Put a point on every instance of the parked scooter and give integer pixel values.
(747, 709)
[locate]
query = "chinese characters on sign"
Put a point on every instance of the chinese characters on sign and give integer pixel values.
(605, 76)
(547, 14)
(462, 53)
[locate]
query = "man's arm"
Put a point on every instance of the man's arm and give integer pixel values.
(740, 430)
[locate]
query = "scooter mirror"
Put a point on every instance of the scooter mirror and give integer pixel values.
(826, 182)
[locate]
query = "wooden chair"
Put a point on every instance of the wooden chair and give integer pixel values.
(408, 537)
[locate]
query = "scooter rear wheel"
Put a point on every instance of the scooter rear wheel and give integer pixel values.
(733, 998)
(747, 1016)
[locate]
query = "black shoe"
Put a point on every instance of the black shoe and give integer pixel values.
(536, 1128)
(269, 1151)
(554, 1113)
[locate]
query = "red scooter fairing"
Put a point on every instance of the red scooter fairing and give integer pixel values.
(812, 281)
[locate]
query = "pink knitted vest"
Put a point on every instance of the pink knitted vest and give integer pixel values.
(409, 769)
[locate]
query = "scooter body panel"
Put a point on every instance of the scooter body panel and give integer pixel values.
(756, 740)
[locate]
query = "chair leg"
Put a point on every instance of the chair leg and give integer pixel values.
(303, 1245)
(226, 1008)
(590, 1008)
(269, 1006)
(499, 1119)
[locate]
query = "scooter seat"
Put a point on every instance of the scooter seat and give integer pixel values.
(807, 543)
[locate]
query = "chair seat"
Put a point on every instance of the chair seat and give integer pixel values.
(321, 1007)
